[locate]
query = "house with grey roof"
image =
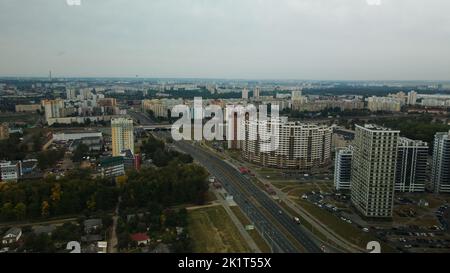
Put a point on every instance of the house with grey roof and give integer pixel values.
(92, 225)
(12, 236)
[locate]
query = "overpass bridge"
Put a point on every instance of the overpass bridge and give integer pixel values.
(155, 127)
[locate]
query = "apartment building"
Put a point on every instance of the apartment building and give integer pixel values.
(343, 168)
(122, 135)
(373, 170)
(440, 173)
(300, 145)
(411, 171)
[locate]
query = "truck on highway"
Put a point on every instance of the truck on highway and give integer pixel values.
(243, 170)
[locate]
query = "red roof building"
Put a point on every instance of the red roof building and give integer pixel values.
(140, 238)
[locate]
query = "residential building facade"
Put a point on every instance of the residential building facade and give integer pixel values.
(440, 173)
(411, 171)
(373, 170)
(122, 135)
(4, 131)
(343, 168)
(300, 146)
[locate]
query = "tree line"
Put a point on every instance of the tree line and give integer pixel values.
(49, 197)
(172, 185)
(419, 128)
(161, 156)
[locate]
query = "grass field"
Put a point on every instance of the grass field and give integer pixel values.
(348, 231)
(212, 231)
(29, 118)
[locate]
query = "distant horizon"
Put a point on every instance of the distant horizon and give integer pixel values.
(222, 78)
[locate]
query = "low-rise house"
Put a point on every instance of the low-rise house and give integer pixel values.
(92, 225)
(28, 166)
(38, 230)
(140, 238)
(9, 171)
(112, 166)
(93, 143)
(131, 217)
(12, 171)
(180, 230)
(102, 247)
(12, 236)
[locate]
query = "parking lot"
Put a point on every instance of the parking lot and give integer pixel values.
(417, 226)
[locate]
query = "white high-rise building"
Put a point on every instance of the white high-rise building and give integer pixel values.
(343, 168)
(86, 94)
(440, 173)
(157, 107)
(256, 93)
(296, 95)
(412, 98)
(297, 100)
(71, 94)
(53, 108)
(388, 104)
(245, 94)
(122, 135)
(411, 172)
(373, 170)
(300, 145)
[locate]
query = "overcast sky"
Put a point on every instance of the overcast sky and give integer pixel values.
(257, 39)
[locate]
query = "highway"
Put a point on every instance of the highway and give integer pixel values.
(272, 221)
(141, 118)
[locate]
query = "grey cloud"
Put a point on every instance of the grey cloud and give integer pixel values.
(298, 39)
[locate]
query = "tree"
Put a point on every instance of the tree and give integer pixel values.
(20, 210)
(91, 204)
(56, 193)
(41, 243)
(45, 209)
(124, 240)
(7, 211)
(66, 233)
(81, 151)
(12, 149)
(37, 142)
(47, 159)
(160, 158)
(51, 197)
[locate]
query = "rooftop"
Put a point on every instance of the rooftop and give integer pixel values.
(14, 230)
(374, 127)
(139, 237)
(92, 222)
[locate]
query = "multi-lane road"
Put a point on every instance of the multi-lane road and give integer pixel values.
(141, 118)
(275, 224)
